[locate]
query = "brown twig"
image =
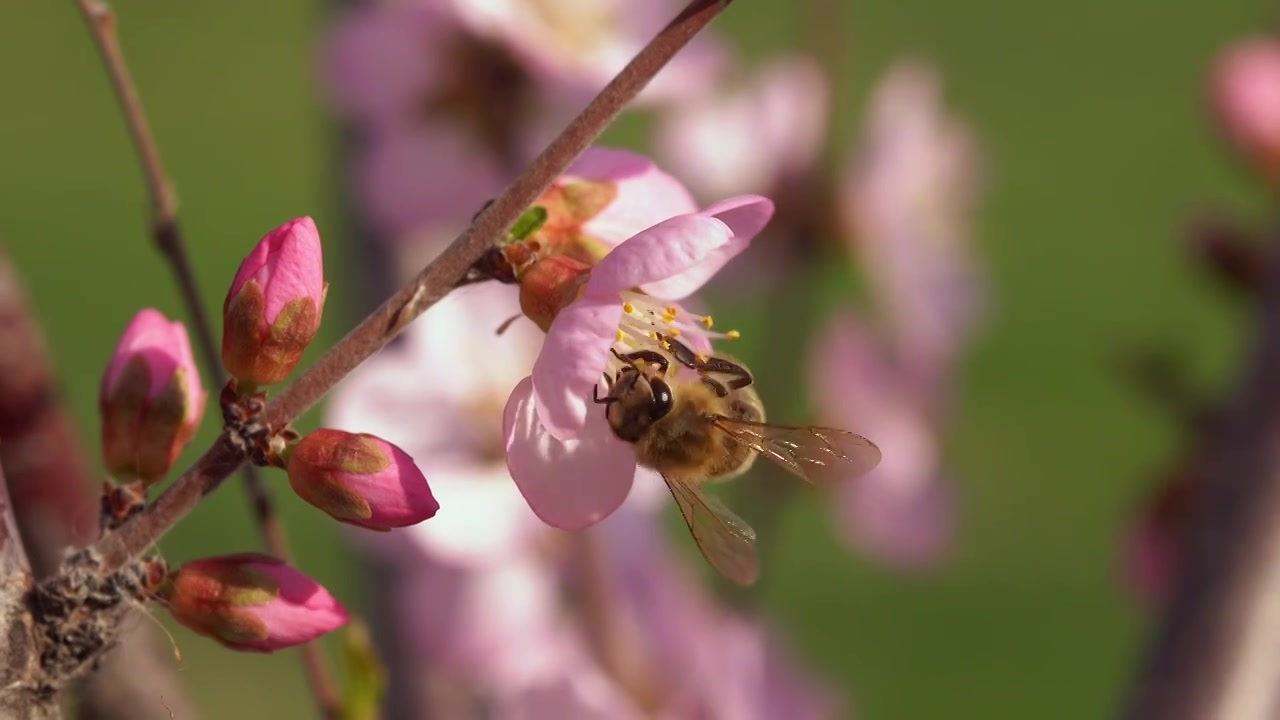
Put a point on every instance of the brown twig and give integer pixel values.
(1215, 655)
(168, 239)
(54, 500)
(20, 667)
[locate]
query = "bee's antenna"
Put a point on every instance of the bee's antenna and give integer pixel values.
(595, 396)
(507, 323)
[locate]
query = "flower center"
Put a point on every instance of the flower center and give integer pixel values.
(646, 320)
(489, 91)
(577, 26)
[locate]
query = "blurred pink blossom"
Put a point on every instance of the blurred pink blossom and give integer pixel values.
(1245, 95)
(910, 193)
(439, 395)
(150, 400)
(477, 602)
(903, 511)
(753, 139)
(250, 602)
(567, 461)
(685, 655)
(576, 46)
(453, 97)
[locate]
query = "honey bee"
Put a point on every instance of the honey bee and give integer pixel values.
(710, 425)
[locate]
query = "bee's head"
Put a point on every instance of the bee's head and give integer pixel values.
(635, 401)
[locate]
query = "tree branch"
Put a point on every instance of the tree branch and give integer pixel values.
(55, 506)
(20, 667)
(434, 282)
(168, 240)
(1217, 652)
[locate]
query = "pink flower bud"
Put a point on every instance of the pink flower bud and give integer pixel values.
(251, 602)
(151, 399)
(550, 284)
(273, 309)
(360, 479)
(1245, 87)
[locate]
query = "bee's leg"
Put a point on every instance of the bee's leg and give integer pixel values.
(716, 385)
(680, 352)
(651, 356)
(595, 396)
(741, 376)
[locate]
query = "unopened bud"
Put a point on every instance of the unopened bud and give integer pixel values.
(549, 285)
(1245, 88)
(151, 399)
(272, 311)
(250, 602)
(360, 479)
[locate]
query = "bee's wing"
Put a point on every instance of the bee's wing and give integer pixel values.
(819, 455)
(726, 540)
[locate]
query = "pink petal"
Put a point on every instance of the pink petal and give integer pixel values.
(906, 521)
(378, 60)
(903, 511)
(493, 625)
(646, 194)
(660, 252)
(572, 360)
(579, 693)
(303, 610)
(752, 139)
(573, 484)
(745, 216)
(414, 178)
(482, 520)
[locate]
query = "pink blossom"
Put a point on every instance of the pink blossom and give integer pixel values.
(453, 429)
(360, 479)
(574, 47)
(151, 399)
(273, 309)
(754, 139)
(680, 654)
(436, 173)
(566, 462)
(903, 510)
(909, 199)
(250, 602)
(605, 197)
(1245, 90)
(445, 117)
(378, 58)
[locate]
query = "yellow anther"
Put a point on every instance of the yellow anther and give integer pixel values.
(702, 357)
(733, 334)
(653, 336)
(628, 308)
(621, 336)
(674, 332)
(667, 318)
(707, 321)
(672, 310)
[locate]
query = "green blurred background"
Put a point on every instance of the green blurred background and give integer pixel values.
(1091, 117)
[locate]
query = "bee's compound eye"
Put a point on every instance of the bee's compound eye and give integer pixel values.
(661, 399)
